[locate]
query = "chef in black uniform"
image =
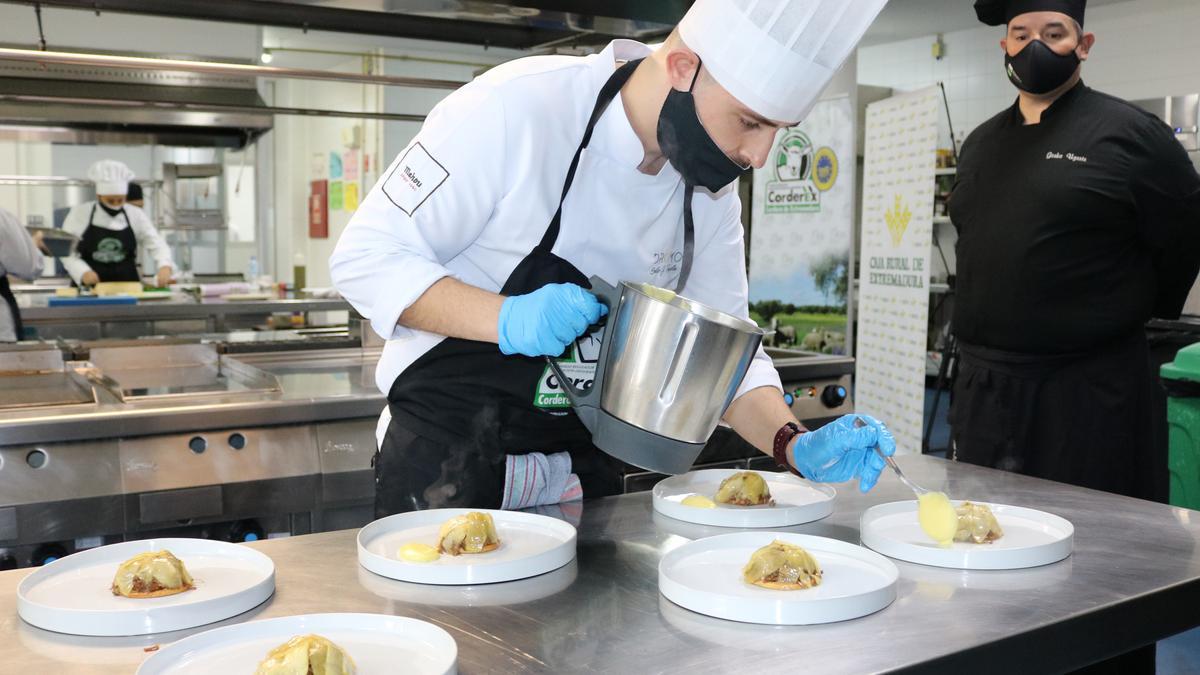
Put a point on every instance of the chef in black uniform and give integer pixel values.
(1078, 217)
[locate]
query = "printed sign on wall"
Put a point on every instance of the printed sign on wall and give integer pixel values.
(800, 232)
(897, 234)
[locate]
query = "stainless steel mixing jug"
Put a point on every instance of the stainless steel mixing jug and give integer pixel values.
(668, 368)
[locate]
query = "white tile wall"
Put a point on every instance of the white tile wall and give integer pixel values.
(1144, 49)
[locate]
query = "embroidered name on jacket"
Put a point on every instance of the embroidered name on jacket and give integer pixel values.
(1071, 157)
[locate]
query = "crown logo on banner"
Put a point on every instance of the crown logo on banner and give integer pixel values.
(897, 220)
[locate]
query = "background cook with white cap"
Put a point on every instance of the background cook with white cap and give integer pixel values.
(112, 233)
(471, 254)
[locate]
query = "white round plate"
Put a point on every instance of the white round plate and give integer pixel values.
(529, 545)
(377, 643)
(74, 594)
(1031, 538)
(797, 501)
(705, 576)
(482, 595)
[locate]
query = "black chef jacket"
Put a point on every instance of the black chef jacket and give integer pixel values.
(1075, 231)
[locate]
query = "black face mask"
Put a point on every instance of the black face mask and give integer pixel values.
(687, 145)
(1038, 69)
(112, 213)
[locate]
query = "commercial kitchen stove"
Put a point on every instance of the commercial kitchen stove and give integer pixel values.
(157, 437)
(152, 437)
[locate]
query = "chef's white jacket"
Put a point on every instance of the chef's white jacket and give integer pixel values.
(150, 244)
(474, 191)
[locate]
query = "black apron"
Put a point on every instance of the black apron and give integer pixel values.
(112, 254)
(463, 405)
(1096, 420)
(11, 300)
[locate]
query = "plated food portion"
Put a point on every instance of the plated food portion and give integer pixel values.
(782, 566)
(469, 533)
(977, 524)
(946, 524)
(152, 574)
(465, 546)
(311, 644)
(307, 655)
(777, 578)
(736, 498)
(966, 535)
(744, 488)
(147, 586)
(472, 532)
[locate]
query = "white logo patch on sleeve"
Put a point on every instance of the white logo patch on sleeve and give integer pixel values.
(414, 178)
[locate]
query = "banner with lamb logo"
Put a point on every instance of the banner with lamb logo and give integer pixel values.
(801, 217)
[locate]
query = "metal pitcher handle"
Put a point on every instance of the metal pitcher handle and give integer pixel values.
(590, 398)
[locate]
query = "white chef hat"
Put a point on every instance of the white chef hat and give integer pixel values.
(776, 56)
(110, 176)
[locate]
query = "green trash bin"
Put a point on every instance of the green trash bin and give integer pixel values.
(1181, 378)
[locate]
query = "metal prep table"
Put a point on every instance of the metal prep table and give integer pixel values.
(180, 314)
(1134, 578)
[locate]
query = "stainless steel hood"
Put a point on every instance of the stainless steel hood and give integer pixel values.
(90, 104)
(518, 24)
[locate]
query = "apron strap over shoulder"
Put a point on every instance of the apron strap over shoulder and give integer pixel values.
(607, 94)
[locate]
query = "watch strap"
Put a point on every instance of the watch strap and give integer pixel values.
(779, 449)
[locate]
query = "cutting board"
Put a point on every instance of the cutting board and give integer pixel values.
(76, 302)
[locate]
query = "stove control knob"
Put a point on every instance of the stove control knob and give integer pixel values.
(46, 554)
(237, 441)
(198, 444)
(789, 399)
(833, 395)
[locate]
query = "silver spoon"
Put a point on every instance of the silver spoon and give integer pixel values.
(891, 461)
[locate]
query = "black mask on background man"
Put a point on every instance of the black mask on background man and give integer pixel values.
(1038, 69)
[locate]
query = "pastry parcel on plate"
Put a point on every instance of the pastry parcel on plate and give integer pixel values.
(152, 574)
(977, 523)
(307, 655)
(473, 532)
(745, 488)
(783, 567)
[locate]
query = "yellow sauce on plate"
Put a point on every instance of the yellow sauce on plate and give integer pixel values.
(699, 502)
(419, 553)
(938, 518)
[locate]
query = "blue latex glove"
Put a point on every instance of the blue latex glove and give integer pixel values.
(544, 322)
(840, 451)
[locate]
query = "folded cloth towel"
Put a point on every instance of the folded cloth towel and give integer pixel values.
(536, 479)
(226, 288)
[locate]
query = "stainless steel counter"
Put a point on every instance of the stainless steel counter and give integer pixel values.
(180, 314)
(182, 307)
(1134, 578)
(317, 385)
